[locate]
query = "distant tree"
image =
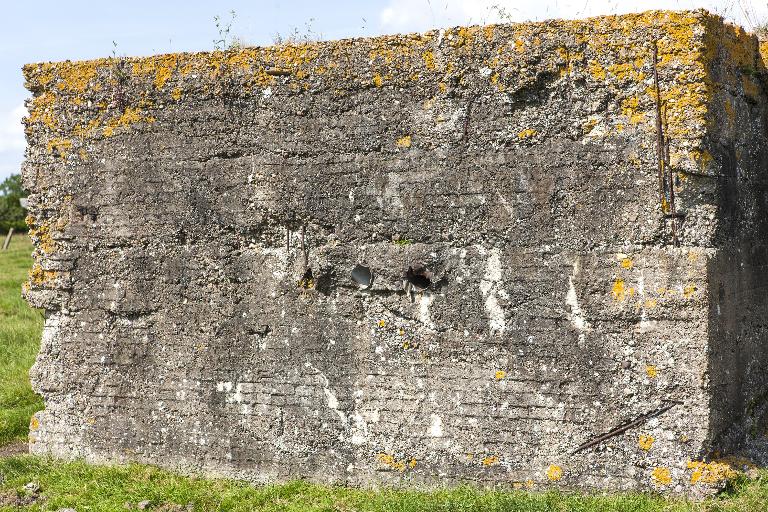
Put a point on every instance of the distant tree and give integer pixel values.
(11, 213)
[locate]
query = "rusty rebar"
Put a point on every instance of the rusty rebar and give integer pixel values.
(665, 175)
(620, 429)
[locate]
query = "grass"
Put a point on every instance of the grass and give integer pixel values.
(85, 487)
(20, 328)
(82, 487)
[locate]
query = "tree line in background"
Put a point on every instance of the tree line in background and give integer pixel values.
(11, 213)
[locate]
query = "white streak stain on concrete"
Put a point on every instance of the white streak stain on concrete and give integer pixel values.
(644, 325)
(359, 430)
(436, 426)
(424, 316)
(490, 286)
(330, 396)
(506, 205)
(575, 315)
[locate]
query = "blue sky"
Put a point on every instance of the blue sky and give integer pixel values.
(48, 30)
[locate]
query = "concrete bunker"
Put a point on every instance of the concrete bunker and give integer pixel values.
(201, 222)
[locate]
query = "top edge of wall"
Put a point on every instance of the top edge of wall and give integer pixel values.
(38, 74)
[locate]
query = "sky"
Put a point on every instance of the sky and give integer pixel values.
(53, 30)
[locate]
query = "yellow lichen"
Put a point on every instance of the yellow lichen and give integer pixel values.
(59, 146)
(176, 94)
(463, 36)
(75, 76)
(429, 59)
(554, 472)
(630, 108)
(129, 117)
(165, 66)
(306, 283)
(587, 127)
(619, 290)
(41, 235)
(381, 323)
(689, 290)
(85, 131)
(39, 277)
(490, 460)
(710, 472)
(377, 80)
(702, 158)
(626, 263)
(500, 374)
(399, 465)
(42, 111)
(526, 134)
(596, 70)
(661, 476)
(651, 371)
(403, 142)
(34, 424)
(645, 442)
(488, 32)
(627, 71)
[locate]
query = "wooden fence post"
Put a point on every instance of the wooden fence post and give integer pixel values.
(8, 239)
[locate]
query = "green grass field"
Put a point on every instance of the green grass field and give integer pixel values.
(82, 487)
(20, 328)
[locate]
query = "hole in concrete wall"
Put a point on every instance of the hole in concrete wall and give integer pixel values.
(307, 281)
(362, 275)
(418, 277)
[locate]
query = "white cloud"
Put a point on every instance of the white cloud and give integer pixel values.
(421, 15)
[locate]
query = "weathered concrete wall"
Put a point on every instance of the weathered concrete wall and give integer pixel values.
(178, 201)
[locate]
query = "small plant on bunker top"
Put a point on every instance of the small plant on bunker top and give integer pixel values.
(118, 77)
(745, 13)
(501, 13)
(298, 36)
(224, 27)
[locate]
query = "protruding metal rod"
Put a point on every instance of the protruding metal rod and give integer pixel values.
(665, 174)
(626, 426)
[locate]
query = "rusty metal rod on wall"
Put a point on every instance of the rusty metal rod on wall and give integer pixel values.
(665, 175)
